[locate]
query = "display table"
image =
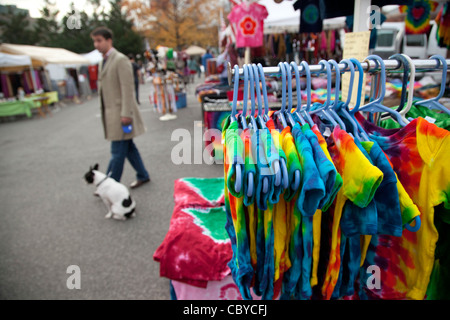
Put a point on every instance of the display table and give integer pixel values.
(13, 108)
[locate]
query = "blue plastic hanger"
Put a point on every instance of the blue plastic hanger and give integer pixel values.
(307, 109)
(297, 114)
(251, 116)
(243, 115)
(253, 126)
(264, 93)
(280, 113)
(287, 112)
(343, 106)
(375, 105)
(333, 107)
(403, 62)
(321, 111)
(433, 102)
(238, 182)
(260, 119)
(235, 93)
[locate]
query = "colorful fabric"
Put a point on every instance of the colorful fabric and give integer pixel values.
(311, 194)
(441, 119)
(249, 24)
(240, 264)
(443, 23)
(419, 153)
(196, 248)
(360, 182)
(418, 16)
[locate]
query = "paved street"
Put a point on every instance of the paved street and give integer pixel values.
(50, 220)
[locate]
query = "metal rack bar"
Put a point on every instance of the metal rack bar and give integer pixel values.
(421, 65)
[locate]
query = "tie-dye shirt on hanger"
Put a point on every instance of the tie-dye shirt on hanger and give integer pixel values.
(420, 155)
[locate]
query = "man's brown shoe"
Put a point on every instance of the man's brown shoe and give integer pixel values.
(138, 183)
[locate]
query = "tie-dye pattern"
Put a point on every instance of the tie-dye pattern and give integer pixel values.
(419, 153)
(310, 196)
(360, 182)
(240, 264)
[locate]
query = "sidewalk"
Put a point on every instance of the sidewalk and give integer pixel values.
(50, 220)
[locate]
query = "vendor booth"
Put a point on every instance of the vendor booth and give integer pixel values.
(44, 75)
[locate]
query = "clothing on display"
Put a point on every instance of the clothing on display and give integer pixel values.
(315, 199)
(417, 19)
(311, 19)
(249, 24)
(443, 23)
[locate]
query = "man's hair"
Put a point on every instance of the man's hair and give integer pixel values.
(130, 56)
(102, 31)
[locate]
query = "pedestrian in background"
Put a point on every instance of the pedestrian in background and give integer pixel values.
(205, 59)
(193, 68)
(119, 108)
(136, 74)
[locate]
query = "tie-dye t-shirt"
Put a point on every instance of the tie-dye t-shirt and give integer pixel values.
(360, 182)
(419, 153)
(317, 220)
(311, 194)
(240, 264)
(294, 246)
(441, 119)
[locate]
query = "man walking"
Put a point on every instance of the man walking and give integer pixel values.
(119, 108)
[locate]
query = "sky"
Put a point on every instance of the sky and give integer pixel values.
(62, 5)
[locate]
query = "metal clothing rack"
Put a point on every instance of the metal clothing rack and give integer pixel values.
(422, 65)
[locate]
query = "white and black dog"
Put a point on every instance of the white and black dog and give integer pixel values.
(115, 195)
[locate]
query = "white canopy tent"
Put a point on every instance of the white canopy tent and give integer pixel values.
(12, 60)
(195, 50)
(41, 56)
(55, 60)
(94, 56)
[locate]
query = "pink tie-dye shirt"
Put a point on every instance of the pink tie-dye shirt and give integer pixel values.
(248, 21)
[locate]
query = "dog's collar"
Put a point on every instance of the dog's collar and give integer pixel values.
(103, 180)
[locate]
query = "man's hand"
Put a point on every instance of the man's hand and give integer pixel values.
(126, 121)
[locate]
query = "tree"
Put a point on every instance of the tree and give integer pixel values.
(47, 28)
(177, 23)
(15, 28)
(125, 38)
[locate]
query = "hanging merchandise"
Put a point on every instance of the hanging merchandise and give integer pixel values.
(310, 16)
(319, 197)
(443, 23)
(417, 19)
(248, 19)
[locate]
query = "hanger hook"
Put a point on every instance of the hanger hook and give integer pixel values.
(305, 66)
(287, 67)
(264, 88)
(258, 90)
(334, 64)
(298, 86)
(360, 84)
(349, 64)
(325, 64)
(245, 99)
(283, 87)
(235, 92)
(378, 62)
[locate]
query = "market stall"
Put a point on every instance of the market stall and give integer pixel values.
(48, 67)
(300, 224)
